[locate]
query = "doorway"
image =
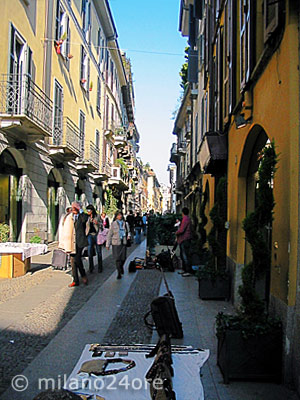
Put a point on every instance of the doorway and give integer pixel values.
(10, 203)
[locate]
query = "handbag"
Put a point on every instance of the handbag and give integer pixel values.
(128, 243)
(102, 236)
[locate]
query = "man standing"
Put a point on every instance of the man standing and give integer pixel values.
(138, 225)
(184, 236)
(80, 220)
(130, 221)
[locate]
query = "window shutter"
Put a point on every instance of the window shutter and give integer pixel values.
(28, 61)
(57, 20)
(271, 18)
(193, 66)
(12, 50)
(65, 30)
(82, 63)
(192, 27)
(198, 9)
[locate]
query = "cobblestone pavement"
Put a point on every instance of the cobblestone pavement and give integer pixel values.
(128, 325)
(22, 341)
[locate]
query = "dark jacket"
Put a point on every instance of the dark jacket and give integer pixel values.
(138, 222)
(80, 227)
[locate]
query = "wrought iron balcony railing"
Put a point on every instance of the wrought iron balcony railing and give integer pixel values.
(66, 137)
(92, 154)
(21, 98)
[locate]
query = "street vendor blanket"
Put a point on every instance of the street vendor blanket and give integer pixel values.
(132, 384)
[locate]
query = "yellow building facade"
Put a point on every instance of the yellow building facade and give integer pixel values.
(244, 91)
(66, 109)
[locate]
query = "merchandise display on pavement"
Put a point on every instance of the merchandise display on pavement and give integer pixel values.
(26, 249)
(131, 383)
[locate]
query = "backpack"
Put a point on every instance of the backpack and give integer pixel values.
(165, 261)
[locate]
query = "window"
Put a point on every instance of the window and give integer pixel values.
(98, 104)
(84, 70)
(218, 81)
(106, 113)
(58, 114)
(62, 30)
(111, 75)
(246, 41)
(99, 43)
(81, 133)
(112, 113)
(19, 69)
(97, 139)
(20, 54)
(86, 19)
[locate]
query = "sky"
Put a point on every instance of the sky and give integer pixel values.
(147, 27)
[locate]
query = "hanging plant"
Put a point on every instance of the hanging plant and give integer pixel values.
(59, 43)
(121, 163)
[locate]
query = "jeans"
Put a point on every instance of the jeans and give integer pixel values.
(92, 241)
(138, 235)
(185, 255)
(145, 229)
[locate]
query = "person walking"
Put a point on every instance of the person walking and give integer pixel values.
(138, 225)
(145, 221)
(184, 236)
(80, 220)
(93, 225)
(105, 220)
(118, 235)
(66, 236)
(130, 220)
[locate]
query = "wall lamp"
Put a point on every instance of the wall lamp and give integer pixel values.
(240, 121)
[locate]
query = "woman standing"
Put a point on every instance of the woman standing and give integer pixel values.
(117, 236)
(93, 225)
(105, 220)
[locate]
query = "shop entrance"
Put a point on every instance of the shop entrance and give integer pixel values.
(10, 203)
(53, 207)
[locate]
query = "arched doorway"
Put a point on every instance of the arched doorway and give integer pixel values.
(53, 207)
(10, 201)
(257, 139)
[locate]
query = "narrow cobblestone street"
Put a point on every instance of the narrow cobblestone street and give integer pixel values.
(48, 340)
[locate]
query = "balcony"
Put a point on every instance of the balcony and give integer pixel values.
(120, 138)
(89, 162)
(104, 172)
(213, 152)
(117, 179)
(25, 110)
(174, 154)
(182, 148)
(65, 142)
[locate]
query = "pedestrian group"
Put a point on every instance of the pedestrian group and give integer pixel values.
(80, 231)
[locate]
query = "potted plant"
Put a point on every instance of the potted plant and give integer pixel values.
(213, 278)
(4, 232)
(250, 342)
(58, 43)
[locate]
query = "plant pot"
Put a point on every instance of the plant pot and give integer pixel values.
(216, 289)
(257, 358)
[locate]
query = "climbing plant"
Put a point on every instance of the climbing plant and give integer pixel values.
(110, 207)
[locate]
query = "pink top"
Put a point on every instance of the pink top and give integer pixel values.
(185, 230)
